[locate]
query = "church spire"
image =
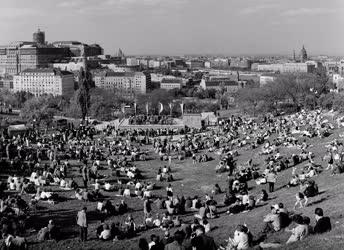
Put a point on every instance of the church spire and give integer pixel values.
(294, 56)
(303, 55)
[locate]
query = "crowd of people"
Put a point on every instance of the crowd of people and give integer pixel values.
(38, 165)
(150, 119)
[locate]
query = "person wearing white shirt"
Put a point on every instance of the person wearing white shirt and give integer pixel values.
(206, 225)
(97, 186)
(12, 185)
(106, 233)
(63, 183)
(107, 186)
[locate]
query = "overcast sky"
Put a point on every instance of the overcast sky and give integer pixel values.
(182, 26)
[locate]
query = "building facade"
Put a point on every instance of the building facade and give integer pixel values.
(195, 64)
(78, 49)
(129, 81)
(6, 82)
(227, 86)
(171, 83)
(287, 68)
(19, 56)
(240, 63)
(44, 81)
(131, 61)
(265, 79)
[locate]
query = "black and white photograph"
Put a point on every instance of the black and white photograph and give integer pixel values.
(171, 124)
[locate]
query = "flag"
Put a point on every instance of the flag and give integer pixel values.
(147, 108)
(161, 108)
(182, 108)
(135, 107)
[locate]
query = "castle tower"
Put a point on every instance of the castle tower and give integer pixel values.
(39, 37)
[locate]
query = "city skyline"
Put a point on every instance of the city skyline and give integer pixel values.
(229, 27)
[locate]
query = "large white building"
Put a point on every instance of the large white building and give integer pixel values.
(44, 81)
(130, 81)
(69, 66)
(287, 67)
(131, 61)
(265, 79)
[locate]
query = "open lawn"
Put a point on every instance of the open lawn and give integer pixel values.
(198, 180)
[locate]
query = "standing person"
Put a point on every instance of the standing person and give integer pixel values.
(193, 158)
(147, 207)
(169, 160)
(85, 174)
(271, 179)
(82, 223)
(202, 241)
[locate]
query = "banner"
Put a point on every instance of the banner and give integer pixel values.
(171, 106)
(147, 108)
(161, 108)
(135, 107)
(182, 108)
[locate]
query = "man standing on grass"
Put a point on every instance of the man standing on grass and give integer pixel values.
(271, 179)
(82, 223)
(85, 174)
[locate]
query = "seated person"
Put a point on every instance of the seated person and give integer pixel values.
(43, 234)
(157, 221)
(63, 183)
(78, 194)
(166, 221)
(195, 203)
(217, 189)
(201, 213)
(108, 186)
(12, 185)
(106, 233)
(54, 232)
(177, 221)
(206, 225)
(100, 228)
(272, 221)
(229, 199)
(236, 207)
(122, 207)
(241, 239)
(299, 232)
(149, 221)
(263, 196)
(294, 181)
(323, 224)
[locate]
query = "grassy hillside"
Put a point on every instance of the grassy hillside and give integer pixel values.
(198, 180)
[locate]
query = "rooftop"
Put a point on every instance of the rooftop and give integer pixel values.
(221, 82)
(47, 70)
(171, 80)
